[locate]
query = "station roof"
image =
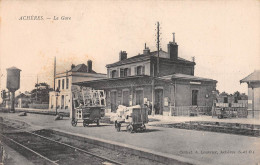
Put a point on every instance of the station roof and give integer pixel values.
(139, 79)
(253, 77)
(144, 57)
(179, 76)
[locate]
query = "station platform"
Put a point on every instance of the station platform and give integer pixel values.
(189, 146)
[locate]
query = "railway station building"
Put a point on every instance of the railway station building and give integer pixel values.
(160, 80)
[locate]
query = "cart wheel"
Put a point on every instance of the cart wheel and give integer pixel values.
(97, 122)
(115, 124)
(61, 117)
(143, 128)
(74, 122)
(118, 127)
(130, 128)
(85, 124)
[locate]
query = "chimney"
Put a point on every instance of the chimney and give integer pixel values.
(173, 49)
(89, 66)
(122, 55)
(146, 50)
(72, 66)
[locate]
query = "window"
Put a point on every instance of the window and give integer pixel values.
(63, 83)
(225, 100)
(67, 83)
(195, 97)
(59, 84)
(139, 70)
(124, 72)
(113, 74)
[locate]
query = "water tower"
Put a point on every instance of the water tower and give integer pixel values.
(13, 83)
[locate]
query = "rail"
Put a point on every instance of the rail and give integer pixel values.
(54, 141)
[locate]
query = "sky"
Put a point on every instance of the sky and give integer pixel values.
(223, 36)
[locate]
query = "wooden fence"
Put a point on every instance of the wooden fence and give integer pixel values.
(232, 112)
(191, 110)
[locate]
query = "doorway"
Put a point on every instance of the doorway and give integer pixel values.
(158, 106)
(194, 97)
(139, 97)
(126, 98)
(113, 101)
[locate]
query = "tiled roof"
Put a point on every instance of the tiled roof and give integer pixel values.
(184, 77)
(81, 68)
(253, 77)
(142, 57)
(109, 79)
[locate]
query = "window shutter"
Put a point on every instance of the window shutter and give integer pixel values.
(129, 71)
(143, 70)
(118, 72)
(111, 73)
(135, 70)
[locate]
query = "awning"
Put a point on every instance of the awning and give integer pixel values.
(179, 76)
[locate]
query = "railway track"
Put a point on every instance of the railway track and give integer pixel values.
(43, 150)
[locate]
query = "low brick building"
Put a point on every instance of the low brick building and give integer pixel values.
(159, 79)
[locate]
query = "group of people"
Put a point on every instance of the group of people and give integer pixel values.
(156, 108)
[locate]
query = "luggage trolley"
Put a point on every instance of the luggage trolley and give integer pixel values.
(133, 119)
(88, 106)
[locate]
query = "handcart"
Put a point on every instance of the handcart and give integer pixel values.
(88, 115)
(88, 106)
(134, 119)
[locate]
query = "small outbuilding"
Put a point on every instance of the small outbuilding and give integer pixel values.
(253, 81)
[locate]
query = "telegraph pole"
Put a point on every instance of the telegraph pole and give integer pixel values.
(157, 67)
(37, 89)
(54, 74)
(158, 47)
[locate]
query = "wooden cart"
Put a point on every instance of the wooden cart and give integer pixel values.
(88, 115)
(133, 121)
(88, 106)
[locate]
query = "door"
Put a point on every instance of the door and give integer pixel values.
(126, 98)
(158, 106)
(139, 97)
(194, 97)
(113, 101)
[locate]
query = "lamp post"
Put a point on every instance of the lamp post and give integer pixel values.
(57, 91)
